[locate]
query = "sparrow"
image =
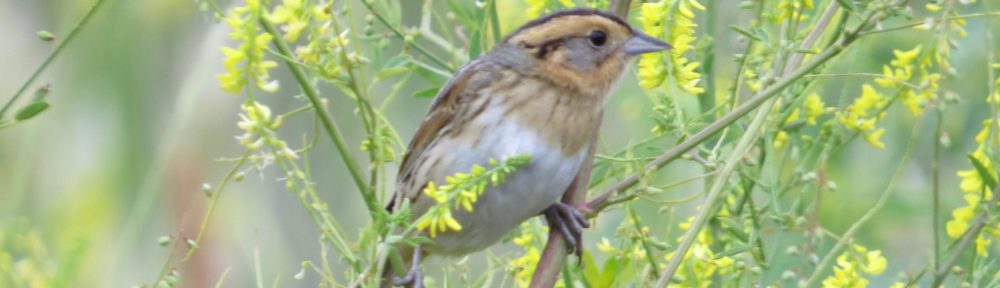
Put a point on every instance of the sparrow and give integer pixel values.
(540, 92)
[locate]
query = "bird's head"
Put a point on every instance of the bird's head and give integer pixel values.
(581, 48)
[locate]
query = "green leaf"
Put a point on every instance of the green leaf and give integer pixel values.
(389, 72)
(31, 110)
(608, 273)
(475, 44)
(45, 36)
(418, 240)
(397, 61)
(847, 4)
(590, 273)
(732, 252)
(426, 93)
(746, 32)
(988, 178)
(435, 77)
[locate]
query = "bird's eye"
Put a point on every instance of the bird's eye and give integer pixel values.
(597, 38)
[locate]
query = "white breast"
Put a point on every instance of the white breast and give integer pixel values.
(525, 194)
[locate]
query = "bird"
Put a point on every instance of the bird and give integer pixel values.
(540, 92)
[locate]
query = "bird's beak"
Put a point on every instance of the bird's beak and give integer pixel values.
(642, 43)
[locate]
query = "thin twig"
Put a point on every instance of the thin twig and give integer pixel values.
(741, 148)
(911, 25)
(400, 34)
(845, 238)
(59, 48)
(708, 209)
(710, 130)
(215, 200)
(936, 188)
(970, 235)
(328, 124)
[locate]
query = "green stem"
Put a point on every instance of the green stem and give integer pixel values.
(845, 238)
(215, 200)
(724, 122)
(708, 209)
(935, 189)
(327, 121)
(941, 273)
(38, 71)
(403, 36)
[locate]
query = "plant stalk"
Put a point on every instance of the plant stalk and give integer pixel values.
(52, 56)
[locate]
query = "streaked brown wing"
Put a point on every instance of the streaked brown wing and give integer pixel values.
(441, 115)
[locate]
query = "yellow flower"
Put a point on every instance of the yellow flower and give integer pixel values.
(874, 263)
(537, 7)
(780, 140)
(863, 113)
(651, 70)
(851, 264)
(653, 17)
(439, 220)
(961, 217)
(790, 9)
(814, 108)
(982, 243)
(523, 240)
(250, 52)
(792, 116)
(525, 266)
(605, 246)
(905, 58)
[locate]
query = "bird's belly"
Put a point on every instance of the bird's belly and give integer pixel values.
(525, 193)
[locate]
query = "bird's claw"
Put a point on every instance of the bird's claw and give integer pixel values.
(570, 223)
(415, 277)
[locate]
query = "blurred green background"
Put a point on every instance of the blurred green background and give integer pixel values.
(138, 123)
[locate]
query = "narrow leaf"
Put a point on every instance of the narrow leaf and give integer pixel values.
(31, 110)
(397, 61)
(745, 32)
(426, 93)
(847, 4)
(389, 72)
(988, 178)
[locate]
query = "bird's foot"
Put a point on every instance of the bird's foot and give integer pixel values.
(570, 223)
(415, 277)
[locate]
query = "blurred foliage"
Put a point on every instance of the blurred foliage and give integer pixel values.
(108, 152)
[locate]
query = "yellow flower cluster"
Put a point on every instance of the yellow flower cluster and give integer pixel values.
(700, 264)
(975, 190)
(862, 115)
(259, 129)
(813, 107)
(852, 264)
(298, 18)
(439, 219)
(792, 9)
(943, 45)
(24, 258)
(246, 62)
(530, 239)
(900, 71)
(537, 7)
(464, 189)
(293, 15)
(680, 33)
